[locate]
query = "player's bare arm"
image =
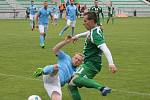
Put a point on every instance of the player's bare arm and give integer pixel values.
(61, 44)
(37, 18)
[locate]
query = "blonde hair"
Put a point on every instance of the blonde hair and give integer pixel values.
(80, 54)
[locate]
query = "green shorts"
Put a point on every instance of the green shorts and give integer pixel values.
(110, 15)
(88, 70)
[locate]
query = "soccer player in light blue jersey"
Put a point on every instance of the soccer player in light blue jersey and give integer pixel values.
(42, 20)
(57, 75)
(56, 13)
(71, 15)
(32, 10)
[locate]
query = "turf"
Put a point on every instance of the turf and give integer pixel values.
(20, 54)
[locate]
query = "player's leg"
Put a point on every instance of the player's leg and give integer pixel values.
(34, 22)
(31, 21)
(83, 78)
(55, 96)
(108, 18)
(55, 21)
(112, 19)
(74, 92)
(52, 86)
(42, 40)
(65, 28)
(73, 27)
(56, 17)
(49, 69)
(45, 32)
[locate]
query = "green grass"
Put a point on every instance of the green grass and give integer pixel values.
(20, 54)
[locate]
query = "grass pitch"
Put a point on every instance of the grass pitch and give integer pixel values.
(20, 54)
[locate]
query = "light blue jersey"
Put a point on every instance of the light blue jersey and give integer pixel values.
(71, 11)
(66, 69)
(32, 9)
(44, 16)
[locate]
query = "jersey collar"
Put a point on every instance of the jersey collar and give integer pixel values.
(94, 28)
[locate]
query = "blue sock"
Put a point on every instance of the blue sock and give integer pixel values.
(48, 69)
(42, 40)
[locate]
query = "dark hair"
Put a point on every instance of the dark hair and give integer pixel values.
(91, 16)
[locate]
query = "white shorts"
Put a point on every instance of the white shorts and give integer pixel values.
(56, 16)
(71, 23)
(32, 17)
(43, 28)
(51, 84)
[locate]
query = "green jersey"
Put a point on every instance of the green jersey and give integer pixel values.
(91, 51)
(110, 11)
(97, 10)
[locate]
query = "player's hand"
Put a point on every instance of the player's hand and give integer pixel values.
(68, 39)
(37, 26)
(38, 72)
(113, 68)
(74, 39)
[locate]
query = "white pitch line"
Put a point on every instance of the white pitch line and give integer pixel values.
(131, 92)
(26, 78)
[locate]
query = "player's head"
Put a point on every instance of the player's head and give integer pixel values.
(45, 3)
(90, 19)
(32, 2)
(55, 3)
(96, 2)
(110, 3)
(77, 59)
(72, 2)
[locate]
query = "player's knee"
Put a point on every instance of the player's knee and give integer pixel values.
(73, 80)
(42, 33)
(55, 96)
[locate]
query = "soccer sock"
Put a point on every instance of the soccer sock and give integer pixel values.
(31, 23)
(48, 69)
(72, 31)
(74, 92)
(64, 29)
(44, 36)
(42, 40)
(86, 82)
(108, 20)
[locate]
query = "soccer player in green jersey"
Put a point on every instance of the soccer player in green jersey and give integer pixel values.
(94, 47)
(98, 10)
(111, 13)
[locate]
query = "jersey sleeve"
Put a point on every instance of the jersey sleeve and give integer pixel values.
(97, 37)
(61, 55)
(67, 10)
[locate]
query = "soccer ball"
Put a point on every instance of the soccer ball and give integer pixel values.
(34, 97)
